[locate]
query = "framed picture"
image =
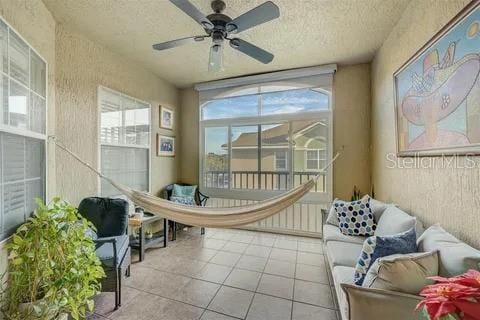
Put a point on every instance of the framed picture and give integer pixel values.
(437, 92)
(166, 118)
(165, 146)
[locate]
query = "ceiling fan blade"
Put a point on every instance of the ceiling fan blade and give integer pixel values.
(251, 50)
(178, 42)
(187, 7)
(261, 14)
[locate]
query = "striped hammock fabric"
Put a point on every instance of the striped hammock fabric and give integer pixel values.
(204, 216)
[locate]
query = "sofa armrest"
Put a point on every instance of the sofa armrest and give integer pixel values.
(379, 304)
(324, 216)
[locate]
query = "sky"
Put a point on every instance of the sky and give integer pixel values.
(302, 100)
(292, 101)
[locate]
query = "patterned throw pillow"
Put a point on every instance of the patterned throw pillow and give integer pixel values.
(189, 201)
(183, 191)
(355, 218)
(376, 247)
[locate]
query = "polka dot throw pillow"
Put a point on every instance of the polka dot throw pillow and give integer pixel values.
(355, 218)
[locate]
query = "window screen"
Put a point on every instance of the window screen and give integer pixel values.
(22, 129)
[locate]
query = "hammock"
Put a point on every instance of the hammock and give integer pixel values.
(206, 216)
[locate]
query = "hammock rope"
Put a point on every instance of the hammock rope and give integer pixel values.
(225, 217)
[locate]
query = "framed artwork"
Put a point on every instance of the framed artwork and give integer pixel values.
(165, 146)
(437, 92)
(166, 118)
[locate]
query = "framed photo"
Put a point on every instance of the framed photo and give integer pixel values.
(437, 92)
(165, 146)
(166, 118)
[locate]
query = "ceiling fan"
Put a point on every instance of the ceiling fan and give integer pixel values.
(220, 27)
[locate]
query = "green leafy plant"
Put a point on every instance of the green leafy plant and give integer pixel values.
(52, 266)
(356, 194)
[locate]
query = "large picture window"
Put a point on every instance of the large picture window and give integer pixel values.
(265, 137)
(23, 109)
(124, 141)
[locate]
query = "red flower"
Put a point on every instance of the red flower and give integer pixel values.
(457, 295)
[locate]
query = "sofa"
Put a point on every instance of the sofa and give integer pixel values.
(369, 303)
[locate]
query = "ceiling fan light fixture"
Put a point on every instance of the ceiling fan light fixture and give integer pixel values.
(215, 62)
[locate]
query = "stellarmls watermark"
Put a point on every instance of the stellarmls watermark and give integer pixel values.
(437, 162)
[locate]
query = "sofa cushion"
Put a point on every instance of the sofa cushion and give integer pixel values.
(394, 221)
(343, 253)
(341, 275)
(332, 233)
(403, 272)
(376, 247)
(355, 218)
(378, 207)
(455, 256)
(106, 254)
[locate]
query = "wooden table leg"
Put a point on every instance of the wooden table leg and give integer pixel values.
(142, 243)
(165, 232)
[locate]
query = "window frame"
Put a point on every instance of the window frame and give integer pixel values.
(25, 133)
(99, 125)
(259, 194)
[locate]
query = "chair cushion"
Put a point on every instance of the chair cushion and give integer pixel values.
(190, 201)
(109, 216)
(394, 221)
(376, 247)
(332, 233)
(455, 256)
(343, 253)
(106, 254)
(406, 273)
(341, 275)
(355, 218)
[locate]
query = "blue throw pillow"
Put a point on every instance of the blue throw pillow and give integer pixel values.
(183, 191)
(376, 247)
(355, 218)
(190, 201)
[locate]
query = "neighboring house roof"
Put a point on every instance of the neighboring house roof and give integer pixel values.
(276, 136)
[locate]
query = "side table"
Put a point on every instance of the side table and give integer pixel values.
(142, 243)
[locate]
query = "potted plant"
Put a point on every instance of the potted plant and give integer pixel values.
(53, 270)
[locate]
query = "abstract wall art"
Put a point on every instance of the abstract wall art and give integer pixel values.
(437, 92)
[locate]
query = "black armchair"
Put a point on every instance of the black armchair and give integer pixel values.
(200, 200)
(110, 218)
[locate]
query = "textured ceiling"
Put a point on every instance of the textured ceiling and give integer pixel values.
(308, 32)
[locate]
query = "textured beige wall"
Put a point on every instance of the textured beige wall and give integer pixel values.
(449, 196)
(351, 131)
(83, 65)
(189, 138)
(351, 136)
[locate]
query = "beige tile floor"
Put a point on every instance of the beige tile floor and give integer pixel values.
(227, 274)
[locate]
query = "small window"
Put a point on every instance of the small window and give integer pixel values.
(125, 141)
(313, 158)
(281, 160)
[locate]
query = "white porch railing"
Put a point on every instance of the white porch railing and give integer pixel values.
(300, 219)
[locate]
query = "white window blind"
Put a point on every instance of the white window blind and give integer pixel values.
(124, 141)
(22, 129)
(255, 131)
